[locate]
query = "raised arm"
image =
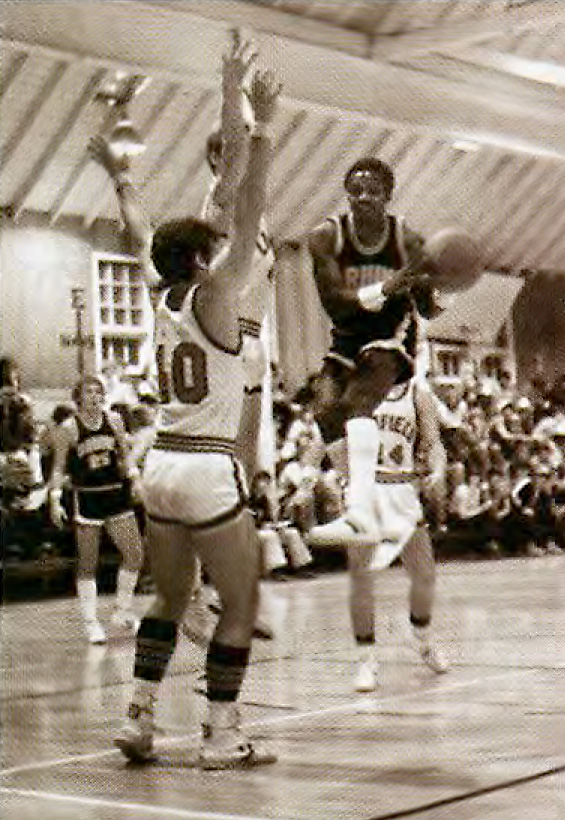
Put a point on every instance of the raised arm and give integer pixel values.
(233, 137)
(137, 225)
(251, 198)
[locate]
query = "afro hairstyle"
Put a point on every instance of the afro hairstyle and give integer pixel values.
(377, 168)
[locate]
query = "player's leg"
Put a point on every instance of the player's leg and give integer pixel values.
(230, 555)
(173, 564)
(87, 536)
(362, 613)
(378, 369)
(419, 562)
(124, 532)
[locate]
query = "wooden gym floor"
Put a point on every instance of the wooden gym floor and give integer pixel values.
(484, 742)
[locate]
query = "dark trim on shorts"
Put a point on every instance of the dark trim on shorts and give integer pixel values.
(204, 525)
(383, 477)
(392, 345)
(176, 443)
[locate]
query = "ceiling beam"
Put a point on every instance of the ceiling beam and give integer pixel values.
(367, 88)
(540, 218)
(554, 236)
(10, 72)
(196, 160)
(252, 17)
(495, 19)
(53, 144)
(326, 183)
(34, 108)
(521, 199)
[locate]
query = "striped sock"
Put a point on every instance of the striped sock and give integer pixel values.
(155, 644)
(225, 670)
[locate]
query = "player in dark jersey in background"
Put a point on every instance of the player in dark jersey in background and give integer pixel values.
(92, 449)
(371, 275)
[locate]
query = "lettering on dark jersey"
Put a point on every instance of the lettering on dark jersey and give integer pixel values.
(359, 276)
(95, 444)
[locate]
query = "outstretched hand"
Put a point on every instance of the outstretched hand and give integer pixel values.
(237, 62)
(100, 151)
(264, 94)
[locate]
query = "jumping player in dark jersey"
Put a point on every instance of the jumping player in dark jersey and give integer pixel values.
(371, 273)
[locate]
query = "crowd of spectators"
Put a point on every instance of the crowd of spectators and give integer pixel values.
(506, 467)
(505, 481)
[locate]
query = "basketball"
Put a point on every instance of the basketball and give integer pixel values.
(456, 259)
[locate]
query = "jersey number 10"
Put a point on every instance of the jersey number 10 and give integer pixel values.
(184, 378)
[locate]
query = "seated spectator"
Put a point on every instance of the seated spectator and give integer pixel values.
(468, 524)
(329, 492)
(506, 430)
(297, 481)
(24, 518)
(505, 391)
(552, 424)
(558, 499)
(47, 434)
(305, 427)
(264, 505)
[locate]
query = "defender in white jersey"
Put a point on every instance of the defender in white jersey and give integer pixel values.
(194, 489)
(255, 442)
(411, 463)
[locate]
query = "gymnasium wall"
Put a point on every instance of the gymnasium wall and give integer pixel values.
(39, 266)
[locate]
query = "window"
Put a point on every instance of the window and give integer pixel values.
(123, 320)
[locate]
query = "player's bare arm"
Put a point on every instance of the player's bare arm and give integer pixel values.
(219, 294)
(64, 437)
(137, 225)
(234, 134)
(431, 455)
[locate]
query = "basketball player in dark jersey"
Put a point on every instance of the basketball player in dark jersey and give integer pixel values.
(91, 448)
(371, 275)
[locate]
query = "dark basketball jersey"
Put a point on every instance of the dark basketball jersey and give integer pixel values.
(353, 325)
(96, 461)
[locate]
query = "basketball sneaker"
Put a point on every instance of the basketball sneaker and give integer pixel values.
(125, 619)
(95, 632)
(432, 656)
(135, 739)
(434, 659)
(354, 527)
(224, 746)
(366, 678)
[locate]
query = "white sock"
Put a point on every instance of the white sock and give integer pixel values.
(87, 598)
(422, 635)
(366, 653)
(222, 715)
(125, 587)
(145, 693)
(362, 455)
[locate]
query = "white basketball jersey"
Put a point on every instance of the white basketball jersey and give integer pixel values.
(397, 428)
(201, 383)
